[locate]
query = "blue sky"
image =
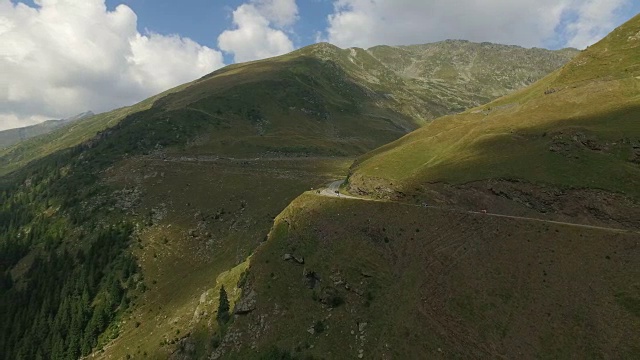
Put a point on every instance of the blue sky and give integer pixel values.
(63, 57)
(204, 20)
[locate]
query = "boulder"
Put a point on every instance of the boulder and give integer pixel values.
(247, 304)
(297, 259)
(362, 326)
(311, 279)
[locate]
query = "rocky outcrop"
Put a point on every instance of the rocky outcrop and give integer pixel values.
(247, 304)
(296, 259)
(311, 279)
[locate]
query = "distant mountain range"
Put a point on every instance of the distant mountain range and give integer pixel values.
(13, 136)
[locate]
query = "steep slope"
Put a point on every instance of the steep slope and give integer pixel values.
(383, 280)
(465, 74)
(14, 136)
(17, 156)
(387, 87)
(567, 146)
(406, 265)
(432, 80)
(119, 231)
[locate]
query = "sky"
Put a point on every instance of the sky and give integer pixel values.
(59, 58)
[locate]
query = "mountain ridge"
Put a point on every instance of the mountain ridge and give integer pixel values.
(186, 185)
(461, 241)
(10, 137)
(578, 118)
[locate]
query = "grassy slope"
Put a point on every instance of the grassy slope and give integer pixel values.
(431, 283)
(249, 134)
(214, 211)
(15, 157)
(13, 136)
(587, 127)
(440, 283)
(391, 98)
(201, 230)
(281, 110)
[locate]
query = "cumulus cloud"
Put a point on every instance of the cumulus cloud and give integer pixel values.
(63, 57)
(576, 23)
(281, 12)
(258, 31)
(595, 19)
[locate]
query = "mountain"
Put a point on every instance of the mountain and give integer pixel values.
(507, 231)
(460, 74)
(14, 136)
(397, 98)
(119, 231)
(541, 151)
(431, 80)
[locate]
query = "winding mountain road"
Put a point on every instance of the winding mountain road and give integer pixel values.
(333, 190)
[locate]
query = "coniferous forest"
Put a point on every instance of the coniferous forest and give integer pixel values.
(65, 274)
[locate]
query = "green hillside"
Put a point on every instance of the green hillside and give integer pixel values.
(386, 94)
(507, 231)
(119, 231)
(574, 133)
(13, 136)
(15, 157)
(391, 280)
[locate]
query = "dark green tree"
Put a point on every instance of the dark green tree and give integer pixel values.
(223, 307)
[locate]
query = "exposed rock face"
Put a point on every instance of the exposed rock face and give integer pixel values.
(635, 155)
(470, 71)
(247, 304)
(311, 279)
(362, 326)
(290, 257)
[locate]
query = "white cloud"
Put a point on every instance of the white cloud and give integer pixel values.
(256, 34)
(366, 23)
(281, 12)
(596, 18)
(9, 121)
(64, 57)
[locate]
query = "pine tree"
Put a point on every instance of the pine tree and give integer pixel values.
(223, 307)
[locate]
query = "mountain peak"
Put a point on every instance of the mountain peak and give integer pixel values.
(322, 50)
